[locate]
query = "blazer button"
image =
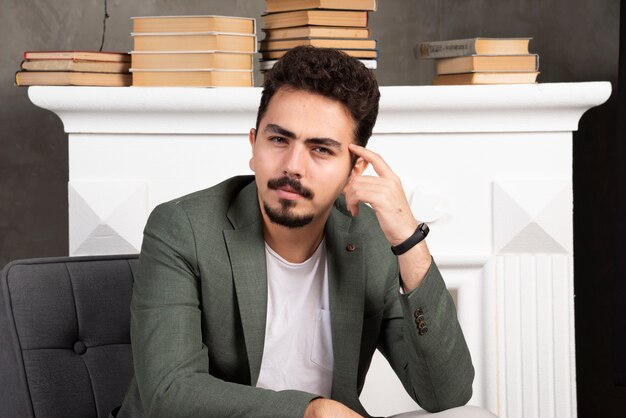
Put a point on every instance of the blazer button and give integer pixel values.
(423, 331)
(418, 312)
(419, 318)
(350, 248)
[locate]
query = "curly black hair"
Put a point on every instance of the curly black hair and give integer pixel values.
(330, 73)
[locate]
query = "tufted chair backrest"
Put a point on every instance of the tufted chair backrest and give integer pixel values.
(65, 336)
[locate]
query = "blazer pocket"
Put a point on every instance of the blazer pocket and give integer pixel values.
(322, 350)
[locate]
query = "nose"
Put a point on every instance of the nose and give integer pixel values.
(295, 162)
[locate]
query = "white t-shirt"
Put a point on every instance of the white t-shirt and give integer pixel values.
(298, 352)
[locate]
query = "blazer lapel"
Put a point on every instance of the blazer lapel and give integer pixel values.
(246, 249)
(345, 257)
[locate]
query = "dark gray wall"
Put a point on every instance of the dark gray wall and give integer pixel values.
(576, 39)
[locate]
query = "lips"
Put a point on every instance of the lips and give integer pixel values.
(289, 188)
(289, 193)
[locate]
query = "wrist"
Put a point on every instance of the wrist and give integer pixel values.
(407, 230)
(418, 236)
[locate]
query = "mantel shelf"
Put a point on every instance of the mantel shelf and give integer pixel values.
(549, 107)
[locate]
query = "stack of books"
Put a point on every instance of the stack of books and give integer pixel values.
(193, 51)
(482, 61)
(340, 24)
(74, 68)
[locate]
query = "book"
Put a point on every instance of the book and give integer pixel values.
(77, 55)
(209, 78)
(474, 46)
(371, 64)
(315, 18)
(486, 78)
(197, 41)
(207, 23)
(75, 66)
(320, 43)
(56, 78)
(273, 6)
(316, 32)
(356, 53)
(191, 60)
(487, 63)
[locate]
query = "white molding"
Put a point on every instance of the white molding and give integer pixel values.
(403, 109)
(536, 362)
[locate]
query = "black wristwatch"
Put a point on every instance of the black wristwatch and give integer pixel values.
(419, 234)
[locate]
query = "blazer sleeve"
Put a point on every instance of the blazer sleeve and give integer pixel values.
(434, 367)
(171, 361)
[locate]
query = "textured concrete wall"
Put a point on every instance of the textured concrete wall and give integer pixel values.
(576, 39)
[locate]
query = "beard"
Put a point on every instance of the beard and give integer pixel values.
(284, 215)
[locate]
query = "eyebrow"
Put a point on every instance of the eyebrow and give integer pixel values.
(329, 142)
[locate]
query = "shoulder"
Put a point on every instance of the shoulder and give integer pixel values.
(222, 194)
(208, 205)
(225, 191)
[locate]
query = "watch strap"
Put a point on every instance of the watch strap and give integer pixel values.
(419, 234)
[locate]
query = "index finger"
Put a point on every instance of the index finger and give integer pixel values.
(380, 166)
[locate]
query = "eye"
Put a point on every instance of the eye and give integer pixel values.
(277, 139)
(323, 150)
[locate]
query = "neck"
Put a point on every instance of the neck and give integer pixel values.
(295, 245)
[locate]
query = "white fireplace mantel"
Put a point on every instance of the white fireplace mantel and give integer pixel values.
(173, 110)
(489, 167)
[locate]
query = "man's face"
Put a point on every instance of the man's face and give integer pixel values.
(300, 156)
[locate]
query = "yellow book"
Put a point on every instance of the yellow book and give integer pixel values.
(486, 78)
(77, 55)
(320, 43)
(191, 60)
(210, 78)
(55, 78)
(76, 66)
(316, 32)
(315, 18)
(208, 23)
(488, 63)
(208, 41)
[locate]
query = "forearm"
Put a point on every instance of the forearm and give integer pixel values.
(414, 265)
(438, 359)
(202, 395)
(435, 366)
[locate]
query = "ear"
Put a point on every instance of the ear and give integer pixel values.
(359, 167)
(251, 138)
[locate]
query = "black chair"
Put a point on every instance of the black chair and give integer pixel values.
(65, 336)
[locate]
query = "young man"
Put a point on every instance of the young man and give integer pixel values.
(266, 295)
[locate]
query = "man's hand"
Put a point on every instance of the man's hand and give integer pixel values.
(386, 196)
(327, 408)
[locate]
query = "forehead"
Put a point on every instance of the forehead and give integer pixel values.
(309, 114)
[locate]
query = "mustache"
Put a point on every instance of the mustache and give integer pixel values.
(275, 184)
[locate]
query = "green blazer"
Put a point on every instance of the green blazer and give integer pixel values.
(199, 305)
